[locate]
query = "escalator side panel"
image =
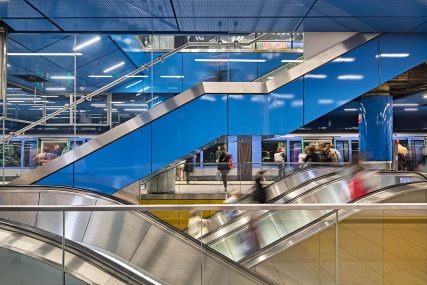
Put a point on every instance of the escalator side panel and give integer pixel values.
(24, 198)
(357, 76)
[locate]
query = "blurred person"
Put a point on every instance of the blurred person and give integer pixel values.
(280, 158)
(259, 193)
(55, 151)
(188, 168)
(225, 164)
(42, 157)
(234, 198)
(402, 155)
(320, 151)
(311, 156)
(332, 154)
(251, 237)
(180, 170)
(301, 157)
(197, 226)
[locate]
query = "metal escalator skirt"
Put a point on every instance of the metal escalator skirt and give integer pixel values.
(277, 225)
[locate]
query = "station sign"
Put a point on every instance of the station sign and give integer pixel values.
(278, 45)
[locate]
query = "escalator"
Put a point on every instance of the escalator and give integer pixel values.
(136, 238)
(210, 110)
(34, 257)
(280, 229)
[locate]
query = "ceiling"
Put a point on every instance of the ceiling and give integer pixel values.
(214, 16)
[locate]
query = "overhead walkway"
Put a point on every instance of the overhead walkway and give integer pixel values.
(34, 257)
(136, 149)
(138, 238)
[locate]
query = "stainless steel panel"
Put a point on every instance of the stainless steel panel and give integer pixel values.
(25, 198)
(75, 222)
(5, 199)
(168, 258)
(117, 232)
(266, 231)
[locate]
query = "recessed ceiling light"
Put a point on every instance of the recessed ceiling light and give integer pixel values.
(405, 104)
(172, 76)
(114, 67)
(133, 84)
(87, 43)
(100, 76)
(62, 77)
(316, 76)
(43, 53)
(55, 88)
(350, 109)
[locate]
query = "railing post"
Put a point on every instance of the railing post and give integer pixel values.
(63, 247)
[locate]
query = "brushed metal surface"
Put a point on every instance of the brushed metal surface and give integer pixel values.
(24, 198)
(181, 99)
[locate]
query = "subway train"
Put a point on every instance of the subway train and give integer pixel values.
(20, 153)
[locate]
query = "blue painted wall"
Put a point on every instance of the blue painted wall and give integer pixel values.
(211, 116)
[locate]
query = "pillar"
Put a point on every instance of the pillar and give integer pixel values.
(376, 131)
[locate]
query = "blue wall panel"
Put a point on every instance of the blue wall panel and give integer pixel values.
(399, 53)
(63, 177)
(188, 128)
(247, 114)
(338, 82)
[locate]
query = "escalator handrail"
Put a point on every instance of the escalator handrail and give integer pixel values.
(189, 95)
(246, 261)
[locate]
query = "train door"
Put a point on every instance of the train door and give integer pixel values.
(416, 148)
(294, 149)
(343, 146)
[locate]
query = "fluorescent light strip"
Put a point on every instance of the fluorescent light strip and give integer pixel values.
(55, 88)
(228, 60)
(350, 77)
(134, 110)
(26, 99)
(325, 101)
(316, 76)
(20, 101)
(292, 60)
(133, 84)
(117, 102)
(100, 76)
(411, 109)
(152, 99)
(131, 105)
(62, 77)
(114, 67)
(13, 88)
(43, 53)
(172, 76)
(405, 104)
(49, 96)
(398, 55)
(350, 109)
(344, 59)
(87, 43)
(137, 76)
(100, 105)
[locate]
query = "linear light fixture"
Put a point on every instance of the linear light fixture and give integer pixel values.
(117, 102)
(13, 88)
(316, 76)
(8, 65)
(43, 53)
(411, 109)
(405, 104)
(100, 76)
(292, 60)
(131, 105)
(325, 101)
(393, 55)
(137, 76)
(135, 110)
(114, 67)
(152, 99)
(228, 60)
(344, 59)
(98, 105)
(49, 96)
(350, 109)
(62, 77)
(55, 88)
(350, 77)
(133, 84)
(19, 101)
(87, 43)
(172, 76)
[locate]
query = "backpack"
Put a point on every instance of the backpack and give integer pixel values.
(230, 162)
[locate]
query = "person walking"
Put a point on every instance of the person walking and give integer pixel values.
(225, 164)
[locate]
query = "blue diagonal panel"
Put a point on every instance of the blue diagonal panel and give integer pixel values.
(17, 9)
(35, 42)
(30, 25)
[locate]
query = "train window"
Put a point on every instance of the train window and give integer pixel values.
(295, 148)
(416, 154)
(269, 148)
(354, 148)
(211, 154)
(12, 154)
(30, 151)
(343, 148)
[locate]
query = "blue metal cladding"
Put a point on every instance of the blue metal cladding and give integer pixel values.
(399, 53)
(188, 128)
(340, 81)
(63, 177)
(376, 128)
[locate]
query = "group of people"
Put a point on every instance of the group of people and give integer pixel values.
(47, 154)
(321, 153)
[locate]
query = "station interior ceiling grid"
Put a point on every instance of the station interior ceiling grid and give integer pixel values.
(218, 16)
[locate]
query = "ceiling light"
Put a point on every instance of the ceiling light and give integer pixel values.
(228, 60)
(316, 76)
(137, 76)
(325, 101)
(99, 105)
(114, 67)
(172, 76)
(131, 105)
(411, 109)
(87, 43)
(135, 110)
(100, 76)
(152, 99)
(49, 96)
(350, 109)
(344, 59)
(350, 77)
(20, 101)
(130, 85)
(55, 88)
(393, 55)
(270, 77)
(62, 77)
(117, 102)
(292, 60)
(13, 88)
(405, 104)
(43, 53)
(8, 65)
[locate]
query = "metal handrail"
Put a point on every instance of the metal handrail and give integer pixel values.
(89, 97)
(209, 207)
